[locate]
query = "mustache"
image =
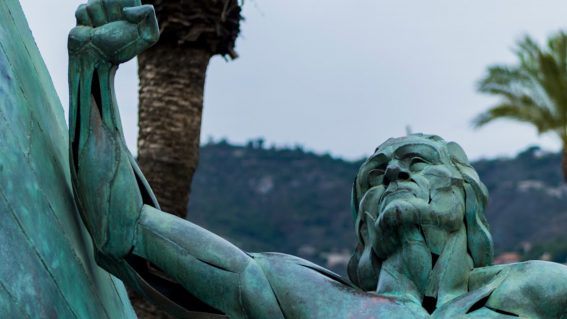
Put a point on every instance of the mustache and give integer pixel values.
(399, 186)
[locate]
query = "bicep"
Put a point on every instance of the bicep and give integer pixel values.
(209, 267)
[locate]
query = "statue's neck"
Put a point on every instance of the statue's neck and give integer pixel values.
(421, 275)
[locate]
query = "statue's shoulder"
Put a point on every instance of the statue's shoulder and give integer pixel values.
(532, 289)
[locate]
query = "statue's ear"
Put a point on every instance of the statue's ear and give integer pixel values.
(479, 240)
(354, 201)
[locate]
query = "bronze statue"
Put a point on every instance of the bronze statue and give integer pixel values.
(47, 266)
(424, 247)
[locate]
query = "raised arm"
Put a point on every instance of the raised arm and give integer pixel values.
(164, 257)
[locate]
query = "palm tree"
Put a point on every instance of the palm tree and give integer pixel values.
(534, 90)
(172, 78)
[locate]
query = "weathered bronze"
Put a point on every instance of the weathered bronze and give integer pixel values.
(424, 249)
(47, 267)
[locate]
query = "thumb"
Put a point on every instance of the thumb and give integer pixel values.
(146, 19)
(137, 14)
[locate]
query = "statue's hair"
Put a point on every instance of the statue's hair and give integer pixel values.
(364, 265)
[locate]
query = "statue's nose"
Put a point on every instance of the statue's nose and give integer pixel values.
(395, 172)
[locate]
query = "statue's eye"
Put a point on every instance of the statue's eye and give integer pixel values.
(375, 177)
(417, 163)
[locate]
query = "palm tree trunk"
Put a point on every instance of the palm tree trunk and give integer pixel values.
(172, 80)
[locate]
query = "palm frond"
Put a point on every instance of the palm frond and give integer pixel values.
(528, 51)
(532, 91)
(521, 111)
(514, 83)
(557, 47)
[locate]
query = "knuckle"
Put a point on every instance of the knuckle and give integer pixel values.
(81, 9)
(113, 10)
(81, 15)
(126, 3)
(96, 12)
(78, 37)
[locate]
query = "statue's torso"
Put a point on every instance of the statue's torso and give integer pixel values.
(527, 290)
(305, 290)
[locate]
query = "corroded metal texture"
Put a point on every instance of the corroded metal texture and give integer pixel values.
(424, 246)
(47, 268)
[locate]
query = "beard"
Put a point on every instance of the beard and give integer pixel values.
(407, 212)
(406, 203)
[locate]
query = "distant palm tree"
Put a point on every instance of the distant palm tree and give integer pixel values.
(534, 90)
(172, 80)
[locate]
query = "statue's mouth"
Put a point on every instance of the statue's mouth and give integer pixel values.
(397, 194)
(398, 190)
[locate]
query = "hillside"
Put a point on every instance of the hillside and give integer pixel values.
(528, 198)
(297, 202)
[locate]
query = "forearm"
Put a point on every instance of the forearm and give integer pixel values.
(109, 188)
(91, 84)
(103, 177)
(131, 236)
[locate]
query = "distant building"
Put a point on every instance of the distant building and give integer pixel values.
(507, 258)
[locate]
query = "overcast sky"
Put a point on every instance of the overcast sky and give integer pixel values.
(342, 76)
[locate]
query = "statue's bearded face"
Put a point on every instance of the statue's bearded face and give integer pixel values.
(408, 183)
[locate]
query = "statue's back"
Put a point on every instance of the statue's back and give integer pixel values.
(46, 265)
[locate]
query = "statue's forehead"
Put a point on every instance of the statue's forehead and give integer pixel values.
(392, 144)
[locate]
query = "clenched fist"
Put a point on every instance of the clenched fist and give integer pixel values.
(113, 30)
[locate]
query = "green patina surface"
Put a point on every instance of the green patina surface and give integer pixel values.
(47, 269)
(424, 248)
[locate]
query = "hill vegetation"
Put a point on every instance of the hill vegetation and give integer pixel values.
(298, 202)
